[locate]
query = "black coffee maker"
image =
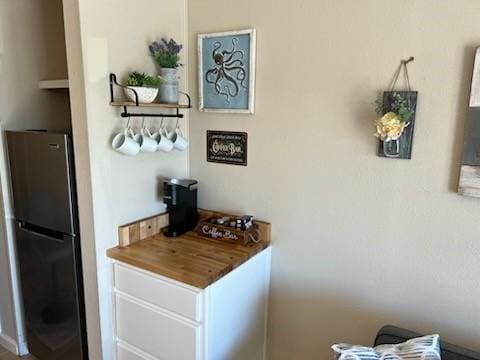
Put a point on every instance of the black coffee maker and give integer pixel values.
(180, 196)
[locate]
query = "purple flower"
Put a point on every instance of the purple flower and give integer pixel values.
(166, 53)
(170, 46)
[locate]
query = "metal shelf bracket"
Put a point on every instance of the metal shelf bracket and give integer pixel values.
(125, 113)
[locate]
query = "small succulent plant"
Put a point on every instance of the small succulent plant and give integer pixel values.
(141, 79)
(166, 53)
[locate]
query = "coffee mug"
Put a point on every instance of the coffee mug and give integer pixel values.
(157, 135)
(124, 143)
(145, 140)
(179, 140)
(163, 141)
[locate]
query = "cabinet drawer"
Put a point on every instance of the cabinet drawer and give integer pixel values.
(124, 353)
(156, 333)
(158, 292)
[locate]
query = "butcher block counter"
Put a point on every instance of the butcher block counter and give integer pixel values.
(189, 297)
(189, 258)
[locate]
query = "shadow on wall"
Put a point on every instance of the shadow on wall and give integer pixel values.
(363, 112)
(54, 48)
(347, 319)
(461, 120)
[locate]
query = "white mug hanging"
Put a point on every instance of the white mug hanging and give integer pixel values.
(145, 140)
(124, 143)
(163, 142)
(178, 139)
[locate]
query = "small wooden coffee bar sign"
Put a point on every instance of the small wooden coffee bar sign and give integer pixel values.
(227, 147)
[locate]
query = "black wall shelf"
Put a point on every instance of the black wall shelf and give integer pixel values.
(136, 104)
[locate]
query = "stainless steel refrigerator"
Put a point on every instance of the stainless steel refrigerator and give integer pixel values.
(48, 243)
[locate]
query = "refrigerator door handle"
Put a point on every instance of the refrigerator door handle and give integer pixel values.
(39, 234)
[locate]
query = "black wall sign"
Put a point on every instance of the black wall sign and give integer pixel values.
(227, 147)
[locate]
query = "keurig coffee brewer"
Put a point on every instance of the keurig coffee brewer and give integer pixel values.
(180, 196)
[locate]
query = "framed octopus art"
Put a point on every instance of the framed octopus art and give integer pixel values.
(226, 71)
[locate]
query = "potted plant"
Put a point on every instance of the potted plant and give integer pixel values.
(166, 55)
(146, 87)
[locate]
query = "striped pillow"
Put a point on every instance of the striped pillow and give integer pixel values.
(420, 348)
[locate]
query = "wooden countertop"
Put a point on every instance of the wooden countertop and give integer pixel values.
(191, 259)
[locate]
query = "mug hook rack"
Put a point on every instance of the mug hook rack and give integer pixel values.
(126, 114)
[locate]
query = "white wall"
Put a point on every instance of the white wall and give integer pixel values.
(113, 36)
(359, 241)
(82, 167)
(31, 48)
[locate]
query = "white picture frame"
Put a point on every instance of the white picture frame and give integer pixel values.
(218, 79)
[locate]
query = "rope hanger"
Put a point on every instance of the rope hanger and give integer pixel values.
(402, 66)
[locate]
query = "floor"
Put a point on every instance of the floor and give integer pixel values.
(6, 355)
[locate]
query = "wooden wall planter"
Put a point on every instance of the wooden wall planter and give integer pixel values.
(406, 140)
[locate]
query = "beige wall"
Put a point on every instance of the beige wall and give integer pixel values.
(359, 241)
(112, 36)
(31, 48)
(82, 166)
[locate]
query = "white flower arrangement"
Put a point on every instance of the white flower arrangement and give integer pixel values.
(391, 125)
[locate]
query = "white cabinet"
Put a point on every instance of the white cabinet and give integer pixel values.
(157, 318)
(158, 291)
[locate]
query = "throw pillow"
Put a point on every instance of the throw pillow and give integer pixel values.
(421, 348)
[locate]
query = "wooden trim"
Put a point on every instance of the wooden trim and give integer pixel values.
(150, 105)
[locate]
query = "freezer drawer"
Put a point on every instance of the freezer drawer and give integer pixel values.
(41, 171)
(50, 289)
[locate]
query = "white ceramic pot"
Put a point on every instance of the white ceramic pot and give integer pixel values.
(146, 95)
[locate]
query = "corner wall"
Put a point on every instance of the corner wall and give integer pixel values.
(113, 36)
(359, 241)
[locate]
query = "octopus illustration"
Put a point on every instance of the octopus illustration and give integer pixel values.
(228, 75)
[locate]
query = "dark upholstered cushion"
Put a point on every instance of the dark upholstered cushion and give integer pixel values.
(394, 335)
